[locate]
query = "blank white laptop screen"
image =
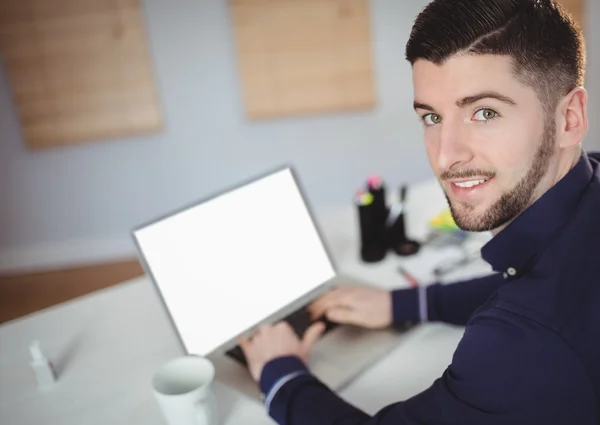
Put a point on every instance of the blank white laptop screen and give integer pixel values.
(228, 263)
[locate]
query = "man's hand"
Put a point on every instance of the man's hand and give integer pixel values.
(366, 307)
(275, 341)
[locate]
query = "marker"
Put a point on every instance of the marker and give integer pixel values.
(374, 181)
(363, 198)
(395, 211)
(376, 187)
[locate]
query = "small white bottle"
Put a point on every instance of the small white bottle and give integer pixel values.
(42, 367)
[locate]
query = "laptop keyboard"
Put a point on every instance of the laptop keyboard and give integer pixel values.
(299, 320)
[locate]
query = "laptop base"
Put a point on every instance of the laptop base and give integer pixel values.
(336, 359)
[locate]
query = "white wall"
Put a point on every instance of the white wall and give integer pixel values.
(592, 33)
(79, 203)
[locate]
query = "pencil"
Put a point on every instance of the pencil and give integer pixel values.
(412, 282)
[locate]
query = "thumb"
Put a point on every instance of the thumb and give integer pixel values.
(312, 334)
(244, 343)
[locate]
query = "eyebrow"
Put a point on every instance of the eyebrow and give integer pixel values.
(469, 100)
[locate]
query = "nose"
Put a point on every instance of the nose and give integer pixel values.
(452, 147)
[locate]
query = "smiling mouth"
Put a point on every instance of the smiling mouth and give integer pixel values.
(469, 183)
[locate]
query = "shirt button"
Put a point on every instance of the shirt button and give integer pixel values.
(511, 271)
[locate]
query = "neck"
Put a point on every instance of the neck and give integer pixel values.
(564, 163)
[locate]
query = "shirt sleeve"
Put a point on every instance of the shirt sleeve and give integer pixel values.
(506, 370)
(452, 303)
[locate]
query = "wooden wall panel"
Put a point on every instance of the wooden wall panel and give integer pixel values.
(78, 70)
(299, 57)
(26, 292)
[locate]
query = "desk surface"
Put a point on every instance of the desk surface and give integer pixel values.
(107, 345)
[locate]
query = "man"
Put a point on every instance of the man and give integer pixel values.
(498, 85)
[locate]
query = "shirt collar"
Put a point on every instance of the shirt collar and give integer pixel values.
(513, 249)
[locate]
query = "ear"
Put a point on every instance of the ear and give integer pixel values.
(572, 119)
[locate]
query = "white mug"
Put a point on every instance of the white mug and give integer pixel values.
(183, 390)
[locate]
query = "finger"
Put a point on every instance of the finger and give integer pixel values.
(318, 308)
(335, 298)
(312, 335)
(282, 325)
(342, 301)
(327, 297)
(244, 343)
(262, 329)
(343, 315)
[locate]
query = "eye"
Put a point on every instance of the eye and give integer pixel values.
(431, 119)
(485, 114)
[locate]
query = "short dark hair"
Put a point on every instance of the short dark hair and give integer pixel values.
(544, 40)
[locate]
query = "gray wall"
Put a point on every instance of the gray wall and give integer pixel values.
(99, 191)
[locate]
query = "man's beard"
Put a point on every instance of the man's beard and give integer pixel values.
(512, 203)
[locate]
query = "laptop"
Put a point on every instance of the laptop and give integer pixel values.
(249, 255)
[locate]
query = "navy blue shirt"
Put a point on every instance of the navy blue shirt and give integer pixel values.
(530, 353)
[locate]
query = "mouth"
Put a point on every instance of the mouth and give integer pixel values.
(468, 188)
(469, 183)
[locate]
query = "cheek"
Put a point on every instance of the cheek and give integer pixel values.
(499, 142)
(430, 139)
(506, 149)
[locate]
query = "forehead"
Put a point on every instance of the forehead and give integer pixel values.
(466, 75)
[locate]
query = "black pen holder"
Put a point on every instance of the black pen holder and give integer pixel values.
(373, 247)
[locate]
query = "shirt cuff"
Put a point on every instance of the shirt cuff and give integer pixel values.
(405, 306)
(279, 368)
(278, 385)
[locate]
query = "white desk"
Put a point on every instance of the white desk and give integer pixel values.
(107, 345)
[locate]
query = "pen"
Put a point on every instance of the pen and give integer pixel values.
(409, 277)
